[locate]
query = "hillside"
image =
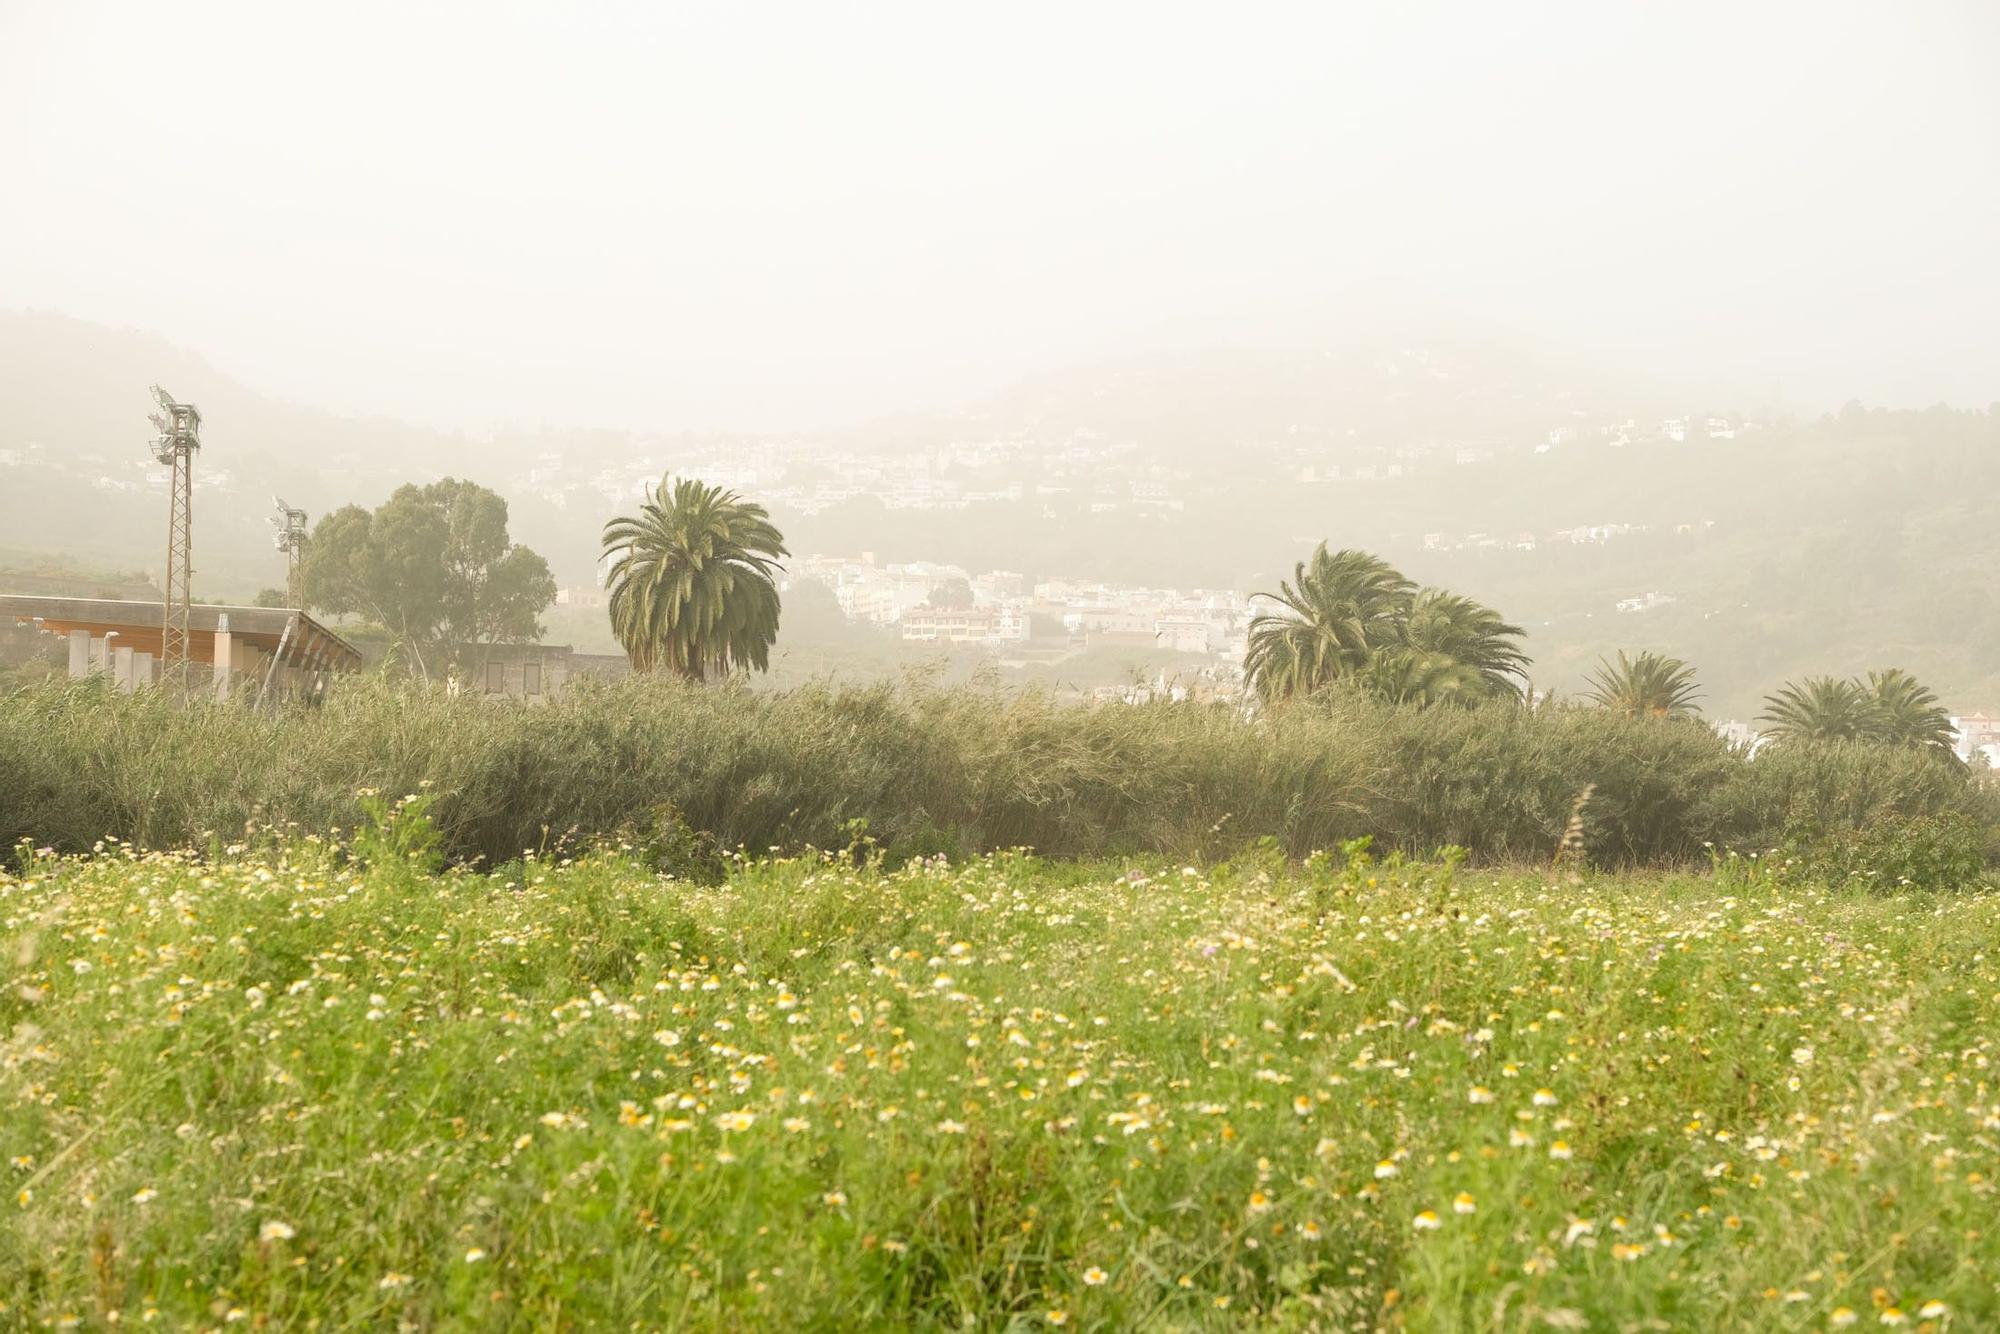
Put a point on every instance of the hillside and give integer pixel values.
(1780, 547)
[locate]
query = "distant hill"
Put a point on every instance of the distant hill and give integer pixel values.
(73, 406)
(1209, 400)
(1866, 538)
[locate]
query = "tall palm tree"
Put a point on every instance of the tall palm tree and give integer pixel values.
(1648, 686)
(1822, 708)
(1908, 713)
(691, 584)
(1468, 633)
(1337, 610)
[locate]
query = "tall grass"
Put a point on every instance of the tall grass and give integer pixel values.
(929, 770)
(284, 1090)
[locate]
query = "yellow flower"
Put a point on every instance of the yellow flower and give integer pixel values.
(1561, 1149)
(1544, 1098)
(1094, 1277)
(1932, 1310)
(1842, 1317)
(739, 1120)
(1427, 1221)
(1385, 1169)
(1479, 1094)
(1059, 1317)
(275, 1231)
(1463, 1204)
(1259, 1202)
(475, 1255)
(145, 1195)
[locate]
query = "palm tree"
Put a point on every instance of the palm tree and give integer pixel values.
(1337, 611)
(1468, 633)
(1349, 615)
(1822, 708)
(1408, 675)
(1908, 713)
(691, 583)
(1648, 686)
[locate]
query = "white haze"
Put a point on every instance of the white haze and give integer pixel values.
(761, 215)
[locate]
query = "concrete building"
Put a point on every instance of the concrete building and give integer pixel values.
(276, 649)
(965, 625)
(537, 673)
(1977, 733)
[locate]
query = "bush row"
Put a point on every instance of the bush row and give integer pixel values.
(935, 771)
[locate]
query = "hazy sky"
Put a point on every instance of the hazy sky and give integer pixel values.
(715, 215)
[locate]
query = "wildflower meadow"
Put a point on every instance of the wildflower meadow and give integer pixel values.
(291, 1087)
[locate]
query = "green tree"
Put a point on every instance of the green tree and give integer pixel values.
(434, 566)
(1474, 636)
(1821, 708)
(1908, 713)
(1406, 675)
(1891, 707)
(692, 586)
(951, 593)
(1648, 686)
(1335, 613)
(1351, 616)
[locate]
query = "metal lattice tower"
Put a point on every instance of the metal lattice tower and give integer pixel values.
(291, 526)
(179, 426)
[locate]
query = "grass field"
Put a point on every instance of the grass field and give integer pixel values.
(1010, 1094)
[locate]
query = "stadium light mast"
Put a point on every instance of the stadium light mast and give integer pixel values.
(179, 426)
(291, 526)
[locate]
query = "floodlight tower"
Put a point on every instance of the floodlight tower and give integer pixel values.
(179, 426)
(291, 526)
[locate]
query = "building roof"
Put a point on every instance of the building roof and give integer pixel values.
(138, 626)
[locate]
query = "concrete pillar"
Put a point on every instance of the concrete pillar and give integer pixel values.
(121, 669)
(225, 658)
(100, 654)
(142, 670)
(79, 654)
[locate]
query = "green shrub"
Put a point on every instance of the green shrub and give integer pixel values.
(672, 847)
(932, 772)
(1919, 852)
(397, 833)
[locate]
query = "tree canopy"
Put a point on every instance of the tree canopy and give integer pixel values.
(1648, 686)
(692, 581)
(1891, 706)
(434, 566)
(1351, 616)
